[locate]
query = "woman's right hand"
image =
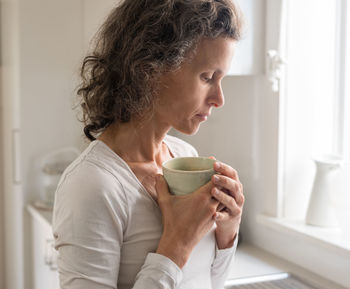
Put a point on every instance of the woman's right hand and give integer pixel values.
(186, 219)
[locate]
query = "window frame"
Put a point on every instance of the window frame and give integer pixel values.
(269, 230)
(341, 144)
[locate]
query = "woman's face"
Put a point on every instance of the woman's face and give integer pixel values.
(188, 94)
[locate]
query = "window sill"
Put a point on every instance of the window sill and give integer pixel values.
(321, 251)
(331, 238)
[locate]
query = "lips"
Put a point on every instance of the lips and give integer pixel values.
(203, 116)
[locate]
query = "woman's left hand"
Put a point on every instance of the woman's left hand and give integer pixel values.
(228, 190)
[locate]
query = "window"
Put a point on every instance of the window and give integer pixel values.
(304, 114)
(316, 113)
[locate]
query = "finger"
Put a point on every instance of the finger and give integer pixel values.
(220, 216)
(227, 200)
(237, 195)
(205, 189)
(226, 170)
(161, 187)
(224, 183)
(220, 207)
(212, 157)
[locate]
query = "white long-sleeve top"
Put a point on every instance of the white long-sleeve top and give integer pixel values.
(107, 227)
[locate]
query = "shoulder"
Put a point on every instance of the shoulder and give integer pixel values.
(91, 170)
(88, 185)
(179, 147)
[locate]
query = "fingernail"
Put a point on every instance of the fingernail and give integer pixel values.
(217, 165)
(216, 191)
(216, 179)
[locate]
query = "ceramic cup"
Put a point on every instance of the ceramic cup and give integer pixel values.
(187, 174)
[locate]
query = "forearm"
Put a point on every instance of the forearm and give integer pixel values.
(174, 249)
(225, 238)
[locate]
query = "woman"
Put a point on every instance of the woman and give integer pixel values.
(157, 65)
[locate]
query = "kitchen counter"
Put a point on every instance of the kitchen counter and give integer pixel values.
(249, 261)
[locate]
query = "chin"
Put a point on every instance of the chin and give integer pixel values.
(188, 130)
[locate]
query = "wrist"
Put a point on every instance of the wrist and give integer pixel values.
(224, 238)
(174, 250)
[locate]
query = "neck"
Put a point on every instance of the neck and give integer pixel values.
(137, 142)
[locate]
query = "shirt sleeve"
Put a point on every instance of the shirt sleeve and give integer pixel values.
(158, 272)
(90, 216)
(88, 222)
(221, 264)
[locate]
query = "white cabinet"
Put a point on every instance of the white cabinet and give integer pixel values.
(44, 256)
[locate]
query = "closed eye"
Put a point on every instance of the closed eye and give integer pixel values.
(206, 78)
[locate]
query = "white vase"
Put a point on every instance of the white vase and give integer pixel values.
(320, 212)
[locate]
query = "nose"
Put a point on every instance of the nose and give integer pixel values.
(217, 98)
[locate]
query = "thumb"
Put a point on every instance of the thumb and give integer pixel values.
(161, 187)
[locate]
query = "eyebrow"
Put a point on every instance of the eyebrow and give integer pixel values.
(219, 72)
(211, 66)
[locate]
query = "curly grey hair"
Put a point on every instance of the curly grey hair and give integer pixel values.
(139, 41)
